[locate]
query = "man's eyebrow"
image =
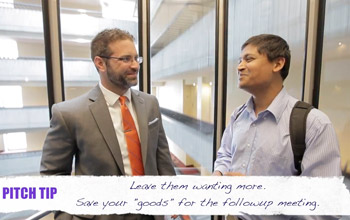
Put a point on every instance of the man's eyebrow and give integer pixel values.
(248, 54)
(245, 56)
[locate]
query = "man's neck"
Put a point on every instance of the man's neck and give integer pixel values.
(262, 100)
(115, 89)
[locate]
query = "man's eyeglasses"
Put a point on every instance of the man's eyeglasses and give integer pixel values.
(126, 59)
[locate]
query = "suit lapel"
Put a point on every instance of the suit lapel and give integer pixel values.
(100, 112)
(140, 106)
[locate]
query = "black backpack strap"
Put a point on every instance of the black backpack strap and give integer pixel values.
(297, 129)
(240, 110)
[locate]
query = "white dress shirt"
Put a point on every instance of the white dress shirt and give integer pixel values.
(261, 146)
(112, 101)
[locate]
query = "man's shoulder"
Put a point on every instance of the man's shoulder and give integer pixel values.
(74, 103)
(317, 117)
(143, 95)
(314, 114)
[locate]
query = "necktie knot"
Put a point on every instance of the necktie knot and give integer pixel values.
(122, 100)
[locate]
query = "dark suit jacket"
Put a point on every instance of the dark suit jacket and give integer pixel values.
(83, 128)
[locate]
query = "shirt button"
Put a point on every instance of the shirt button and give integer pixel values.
(243, 165)
(248, 145)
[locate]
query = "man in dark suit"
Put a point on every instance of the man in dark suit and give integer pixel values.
(92, 129)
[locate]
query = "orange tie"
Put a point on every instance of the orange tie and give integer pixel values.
(132, 140)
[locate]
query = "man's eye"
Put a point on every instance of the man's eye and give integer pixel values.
(126, 59)
(249, 59)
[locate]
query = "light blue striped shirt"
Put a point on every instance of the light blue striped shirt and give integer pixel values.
(261, 146)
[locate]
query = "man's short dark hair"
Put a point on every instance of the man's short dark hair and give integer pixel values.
(99, 45)
(274, 47)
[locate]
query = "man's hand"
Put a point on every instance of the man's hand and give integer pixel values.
(233, 174)
(216, 173)
(183, 217)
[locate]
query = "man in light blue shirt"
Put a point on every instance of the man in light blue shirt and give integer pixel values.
(257, 142)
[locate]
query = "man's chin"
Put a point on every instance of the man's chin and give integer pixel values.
(244, 87)
(132, 82)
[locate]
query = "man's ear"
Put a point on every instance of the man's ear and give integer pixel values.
(279, 64)
(100, 64)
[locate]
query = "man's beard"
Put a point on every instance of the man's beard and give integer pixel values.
(119, 80)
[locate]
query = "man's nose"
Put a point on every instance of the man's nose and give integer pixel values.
(240, 66)
(135, 64)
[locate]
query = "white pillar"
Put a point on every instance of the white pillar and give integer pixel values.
(2, 147)
(199, 97)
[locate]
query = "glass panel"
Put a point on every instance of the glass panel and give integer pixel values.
(24, 112)
(335, 78)
(248, 18)
(80, 22)
(182, 75)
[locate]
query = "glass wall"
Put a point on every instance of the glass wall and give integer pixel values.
(80, 22)
(24, 113)
(335, 79)
(182, 76)
(182, 68)
(252, 17)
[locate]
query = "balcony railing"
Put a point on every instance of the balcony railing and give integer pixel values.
(76, 71)
(29, 22)
(13, 119)
(193, 136)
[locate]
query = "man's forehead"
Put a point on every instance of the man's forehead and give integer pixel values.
(122, 45)
(121, 42)
(249, 49)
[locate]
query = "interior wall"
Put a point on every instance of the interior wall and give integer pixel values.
(31, 49)
(169, 94)
(71, 92)
(34, 96)
(76, 51)
(190, 101)
(35, 139)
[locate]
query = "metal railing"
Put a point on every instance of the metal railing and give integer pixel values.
(38, 215)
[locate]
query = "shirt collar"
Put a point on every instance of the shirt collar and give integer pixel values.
(111, 97)
(250, 105)
(278, 104)
(276, 107)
